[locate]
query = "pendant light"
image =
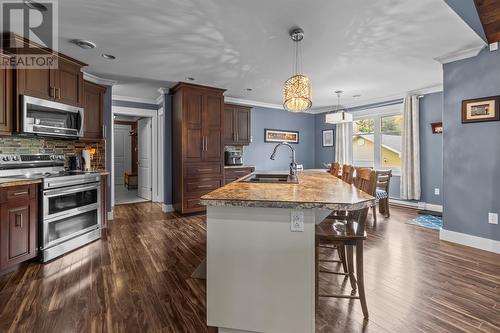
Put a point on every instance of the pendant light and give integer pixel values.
(339, 116)
(297, 90)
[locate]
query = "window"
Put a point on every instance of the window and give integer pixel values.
(376, 140)
(390, 152)
(363, 148)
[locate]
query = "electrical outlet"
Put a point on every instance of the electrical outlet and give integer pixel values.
(297, 221)
(436, 191)
(492, 218)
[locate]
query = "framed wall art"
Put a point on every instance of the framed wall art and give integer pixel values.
(273, 135)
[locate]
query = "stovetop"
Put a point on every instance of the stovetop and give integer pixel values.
(49, 168)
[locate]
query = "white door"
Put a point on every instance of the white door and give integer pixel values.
(144, 158)
(123, 152)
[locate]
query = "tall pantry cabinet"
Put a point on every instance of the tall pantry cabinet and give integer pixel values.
(198, 152)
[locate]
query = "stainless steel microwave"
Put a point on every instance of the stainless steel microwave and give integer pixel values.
(48, 118)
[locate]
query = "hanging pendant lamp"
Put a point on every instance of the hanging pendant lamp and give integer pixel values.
(297, 89)
(340, 115)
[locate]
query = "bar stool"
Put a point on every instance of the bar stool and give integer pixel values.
(347, 173)
(348, 235)
(334, 169)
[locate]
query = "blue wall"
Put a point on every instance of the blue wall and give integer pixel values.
(322, 154)
(258, 152)
(471, 159)
(431, 148)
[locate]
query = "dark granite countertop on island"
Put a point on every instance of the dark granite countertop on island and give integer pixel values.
(315, 190)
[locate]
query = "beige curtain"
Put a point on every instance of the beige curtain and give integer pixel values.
(343, 143)
(410, 154)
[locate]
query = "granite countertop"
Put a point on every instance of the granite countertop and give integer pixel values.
(238, 166)
(8, 182)
(315, 189)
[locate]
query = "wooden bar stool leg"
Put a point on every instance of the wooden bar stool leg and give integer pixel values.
(341, 251)
(350, 267)
(375, 215)
(360, 277)
(387, 213)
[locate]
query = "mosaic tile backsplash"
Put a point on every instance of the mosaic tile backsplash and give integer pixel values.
(40, 145)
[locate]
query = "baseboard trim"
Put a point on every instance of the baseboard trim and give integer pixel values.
(485, 244)
(110, 215)
(416, 205)
(167, 208)
(403, 203)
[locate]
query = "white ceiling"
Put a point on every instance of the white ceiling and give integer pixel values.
(373, 48)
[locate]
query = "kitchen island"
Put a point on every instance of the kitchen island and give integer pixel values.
(260, 250)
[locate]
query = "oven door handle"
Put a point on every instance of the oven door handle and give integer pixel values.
(59, 191)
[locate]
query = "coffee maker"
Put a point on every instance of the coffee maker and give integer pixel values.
(233, 158)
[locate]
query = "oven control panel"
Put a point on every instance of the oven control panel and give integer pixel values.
(13, 160)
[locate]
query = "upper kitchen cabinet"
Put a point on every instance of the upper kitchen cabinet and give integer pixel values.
(237, 125)
(93, 104)
(63, 84)
(6, 95)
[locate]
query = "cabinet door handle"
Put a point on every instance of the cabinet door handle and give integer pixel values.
(237, 136)
(19, 221)
(201, 170)
(241, 171)
(58, 93)
(52, 92)
(234, 136)
(20, 193)
(204, 186)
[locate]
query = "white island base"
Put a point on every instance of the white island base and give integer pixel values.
(260, 274)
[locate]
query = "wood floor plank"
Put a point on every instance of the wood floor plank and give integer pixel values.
(137, 278)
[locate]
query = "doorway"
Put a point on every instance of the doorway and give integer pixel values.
(135, 156)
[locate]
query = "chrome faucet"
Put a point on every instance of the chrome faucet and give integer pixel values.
(293, 165)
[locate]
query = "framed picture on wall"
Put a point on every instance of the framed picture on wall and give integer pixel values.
(328, 138)
(481, 109)
(273, 135)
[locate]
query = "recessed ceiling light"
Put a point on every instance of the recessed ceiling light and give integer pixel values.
(189, 78)
(35, 5)
(108, 56)
(84, 44)
(356, 96)
(249, 89)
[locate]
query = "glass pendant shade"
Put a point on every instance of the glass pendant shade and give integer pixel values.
(338, 118)
(297, 94)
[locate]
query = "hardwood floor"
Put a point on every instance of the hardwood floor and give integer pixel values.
(137, 279)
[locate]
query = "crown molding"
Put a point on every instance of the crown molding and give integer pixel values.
(460, 55)
(248, 102)
(421, 91)
(98, 80)
(134, 99)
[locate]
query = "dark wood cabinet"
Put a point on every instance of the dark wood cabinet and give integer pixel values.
(197, 144)
(234, 173)
(6, 96)
(93, 104)
(18, 225)
(237, 125)
(63, 84)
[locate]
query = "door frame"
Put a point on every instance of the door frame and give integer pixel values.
(123, 127)
(157, 155)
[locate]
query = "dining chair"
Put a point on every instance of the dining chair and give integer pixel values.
(335, 168)
(347, 173)
(348, 235)
(359, 181)
(382, 191)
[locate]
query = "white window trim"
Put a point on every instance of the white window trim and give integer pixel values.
(377, 114)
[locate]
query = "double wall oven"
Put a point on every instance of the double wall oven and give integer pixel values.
(70, 201)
